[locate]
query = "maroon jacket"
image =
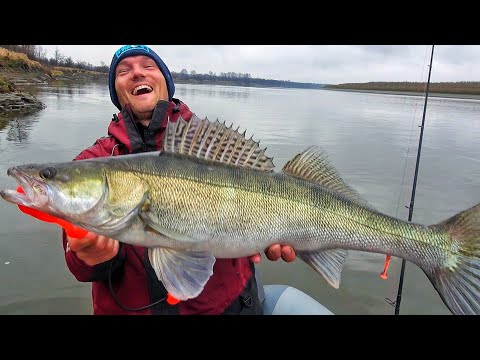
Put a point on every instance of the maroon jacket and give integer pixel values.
(232, 288)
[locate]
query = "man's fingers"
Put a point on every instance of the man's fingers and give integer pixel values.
(274, 252)
(288, 254)
(116, 246)
(94, 249)
(256, 258)
(77, 244)
(105, 254)
(103, 245)
(93, 244)
(277, 251)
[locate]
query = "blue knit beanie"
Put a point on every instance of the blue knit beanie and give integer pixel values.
(134, 50)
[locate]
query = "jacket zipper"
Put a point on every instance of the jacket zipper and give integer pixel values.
(144, 144)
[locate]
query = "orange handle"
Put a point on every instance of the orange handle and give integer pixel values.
(383, 275)
(171, 300)
(70, 229)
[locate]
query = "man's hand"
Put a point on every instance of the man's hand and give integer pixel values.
(93, 249)
(274, 252)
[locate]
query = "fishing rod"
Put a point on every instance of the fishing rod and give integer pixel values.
(412, 199)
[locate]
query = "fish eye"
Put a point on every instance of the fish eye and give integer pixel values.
(48, 173)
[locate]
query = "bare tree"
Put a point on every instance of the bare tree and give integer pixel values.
(40, 53)
(58, 56)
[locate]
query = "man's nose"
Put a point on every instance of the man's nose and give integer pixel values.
(138, 71)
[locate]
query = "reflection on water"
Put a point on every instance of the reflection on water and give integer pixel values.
(372, 139)
(5, 120)
(19, 128)
(219, 92)
(15, 130)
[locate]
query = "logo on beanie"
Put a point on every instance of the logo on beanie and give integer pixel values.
(126, 48)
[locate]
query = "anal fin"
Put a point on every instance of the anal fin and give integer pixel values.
(329, 263)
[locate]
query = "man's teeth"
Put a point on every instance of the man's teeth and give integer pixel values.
(141, 87)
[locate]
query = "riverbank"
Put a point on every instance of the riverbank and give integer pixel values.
(14, 99)
(18, 70)
(19, 102)
(411, 93)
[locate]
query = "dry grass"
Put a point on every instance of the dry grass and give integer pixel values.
(5, 86)
(62, 69)
(10, 59)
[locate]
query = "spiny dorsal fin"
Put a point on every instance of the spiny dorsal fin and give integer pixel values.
(313, 165)
(216, 142)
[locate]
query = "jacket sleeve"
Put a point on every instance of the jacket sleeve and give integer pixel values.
(101, 148)
(79, 269)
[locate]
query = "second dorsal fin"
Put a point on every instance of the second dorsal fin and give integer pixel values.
(313, 165)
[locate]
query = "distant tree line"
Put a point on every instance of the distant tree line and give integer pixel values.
(38, 53)
(238, 79)
(460, 87)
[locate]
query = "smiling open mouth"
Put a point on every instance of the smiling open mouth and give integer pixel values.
(142, 89)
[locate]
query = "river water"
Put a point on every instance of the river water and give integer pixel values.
(372, 139)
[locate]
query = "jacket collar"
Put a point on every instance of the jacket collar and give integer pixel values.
(138, 139)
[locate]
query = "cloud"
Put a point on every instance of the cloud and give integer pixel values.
(332, 64)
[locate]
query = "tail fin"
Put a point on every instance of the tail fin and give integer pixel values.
(458, 283)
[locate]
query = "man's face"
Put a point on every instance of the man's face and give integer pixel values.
(140, 83)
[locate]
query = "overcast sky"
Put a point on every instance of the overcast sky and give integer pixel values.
(330, 64)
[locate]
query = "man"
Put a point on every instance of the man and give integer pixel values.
(123, 280)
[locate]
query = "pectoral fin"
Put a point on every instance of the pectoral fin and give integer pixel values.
(183, 273)
(328, 263)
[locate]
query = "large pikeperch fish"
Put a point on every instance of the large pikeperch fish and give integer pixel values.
(212, 193)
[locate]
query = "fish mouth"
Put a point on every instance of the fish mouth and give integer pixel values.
(30, 193)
